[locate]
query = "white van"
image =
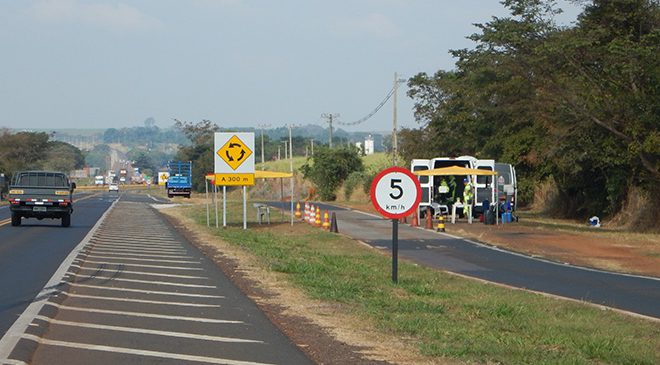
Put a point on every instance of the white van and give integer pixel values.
(507, 183)
(484, 186)
(424, 181)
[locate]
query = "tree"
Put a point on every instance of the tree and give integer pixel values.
(577, 106)
(61, 156)
(200, 152)
(328, 168)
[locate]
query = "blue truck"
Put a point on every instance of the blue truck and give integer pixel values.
(179, 182)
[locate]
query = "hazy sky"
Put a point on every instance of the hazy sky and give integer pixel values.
(102, 63)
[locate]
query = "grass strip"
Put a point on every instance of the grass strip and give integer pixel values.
(445, 316)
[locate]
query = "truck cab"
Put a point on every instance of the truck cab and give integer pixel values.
(179, 182)
(41, 194)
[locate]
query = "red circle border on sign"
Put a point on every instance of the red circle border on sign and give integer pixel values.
(372, 192)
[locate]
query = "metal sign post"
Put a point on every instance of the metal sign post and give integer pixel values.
(395, 193)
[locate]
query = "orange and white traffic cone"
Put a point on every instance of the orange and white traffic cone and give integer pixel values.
(306, 212)
(318, 217)
(326, 220)
(312, 214)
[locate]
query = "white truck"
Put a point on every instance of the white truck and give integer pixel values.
(99, 180)
(440, 192)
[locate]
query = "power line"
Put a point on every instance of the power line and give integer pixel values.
(373, 112)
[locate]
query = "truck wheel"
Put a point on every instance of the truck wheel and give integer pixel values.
(15, 220)
(66, 220)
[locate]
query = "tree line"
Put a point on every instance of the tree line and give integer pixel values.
(576, 108)
(35, 151)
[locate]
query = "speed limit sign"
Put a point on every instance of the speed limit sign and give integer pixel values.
(395, 192)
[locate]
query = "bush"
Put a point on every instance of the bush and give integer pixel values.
(328, 169)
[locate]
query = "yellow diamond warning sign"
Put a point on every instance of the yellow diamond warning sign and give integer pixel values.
(234, 152)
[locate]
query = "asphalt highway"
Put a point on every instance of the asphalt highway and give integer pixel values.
(631, 293)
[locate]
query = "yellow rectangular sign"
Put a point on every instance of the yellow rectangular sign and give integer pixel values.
(234, 179)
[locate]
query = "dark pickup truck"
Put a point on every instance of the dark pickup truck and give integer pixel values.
(41, 194)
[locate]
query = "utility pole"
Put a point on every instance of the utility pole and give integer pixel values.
(395, 147)
(312, 140)
(291, 164)
(262, 126)
(330, 117)
(394, 140)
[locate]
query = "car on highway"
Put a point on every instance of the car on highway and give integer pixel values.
(113, 187)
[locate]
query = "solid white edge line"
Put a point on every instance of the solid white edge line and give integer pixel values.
(127, 351)
(13, 335)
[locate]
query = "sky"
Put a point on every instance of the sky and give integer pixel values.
(238, 63)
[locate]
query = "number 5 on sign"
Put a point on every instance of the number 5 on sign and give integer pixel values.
(395, 192)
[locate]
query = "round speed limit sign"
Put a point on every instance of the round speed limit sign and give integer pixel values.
(395, 192)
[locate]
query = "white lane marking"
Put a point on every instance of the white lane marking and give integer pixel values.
(137, 242)
(144, 291)
(128, 248)
(123, 350)
(143, 281)
(148, 331)
(130, 300)
(149, 260)
(152, 198)
(120, 253)
(143, 273)
(13, 335)
(139, 265)
(141, 314)
(147, 238)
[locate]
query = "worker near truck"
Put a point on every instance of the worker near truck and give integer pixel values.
(467, 195)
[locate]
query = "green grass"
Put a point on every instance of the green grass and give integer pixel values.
(444, 315)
